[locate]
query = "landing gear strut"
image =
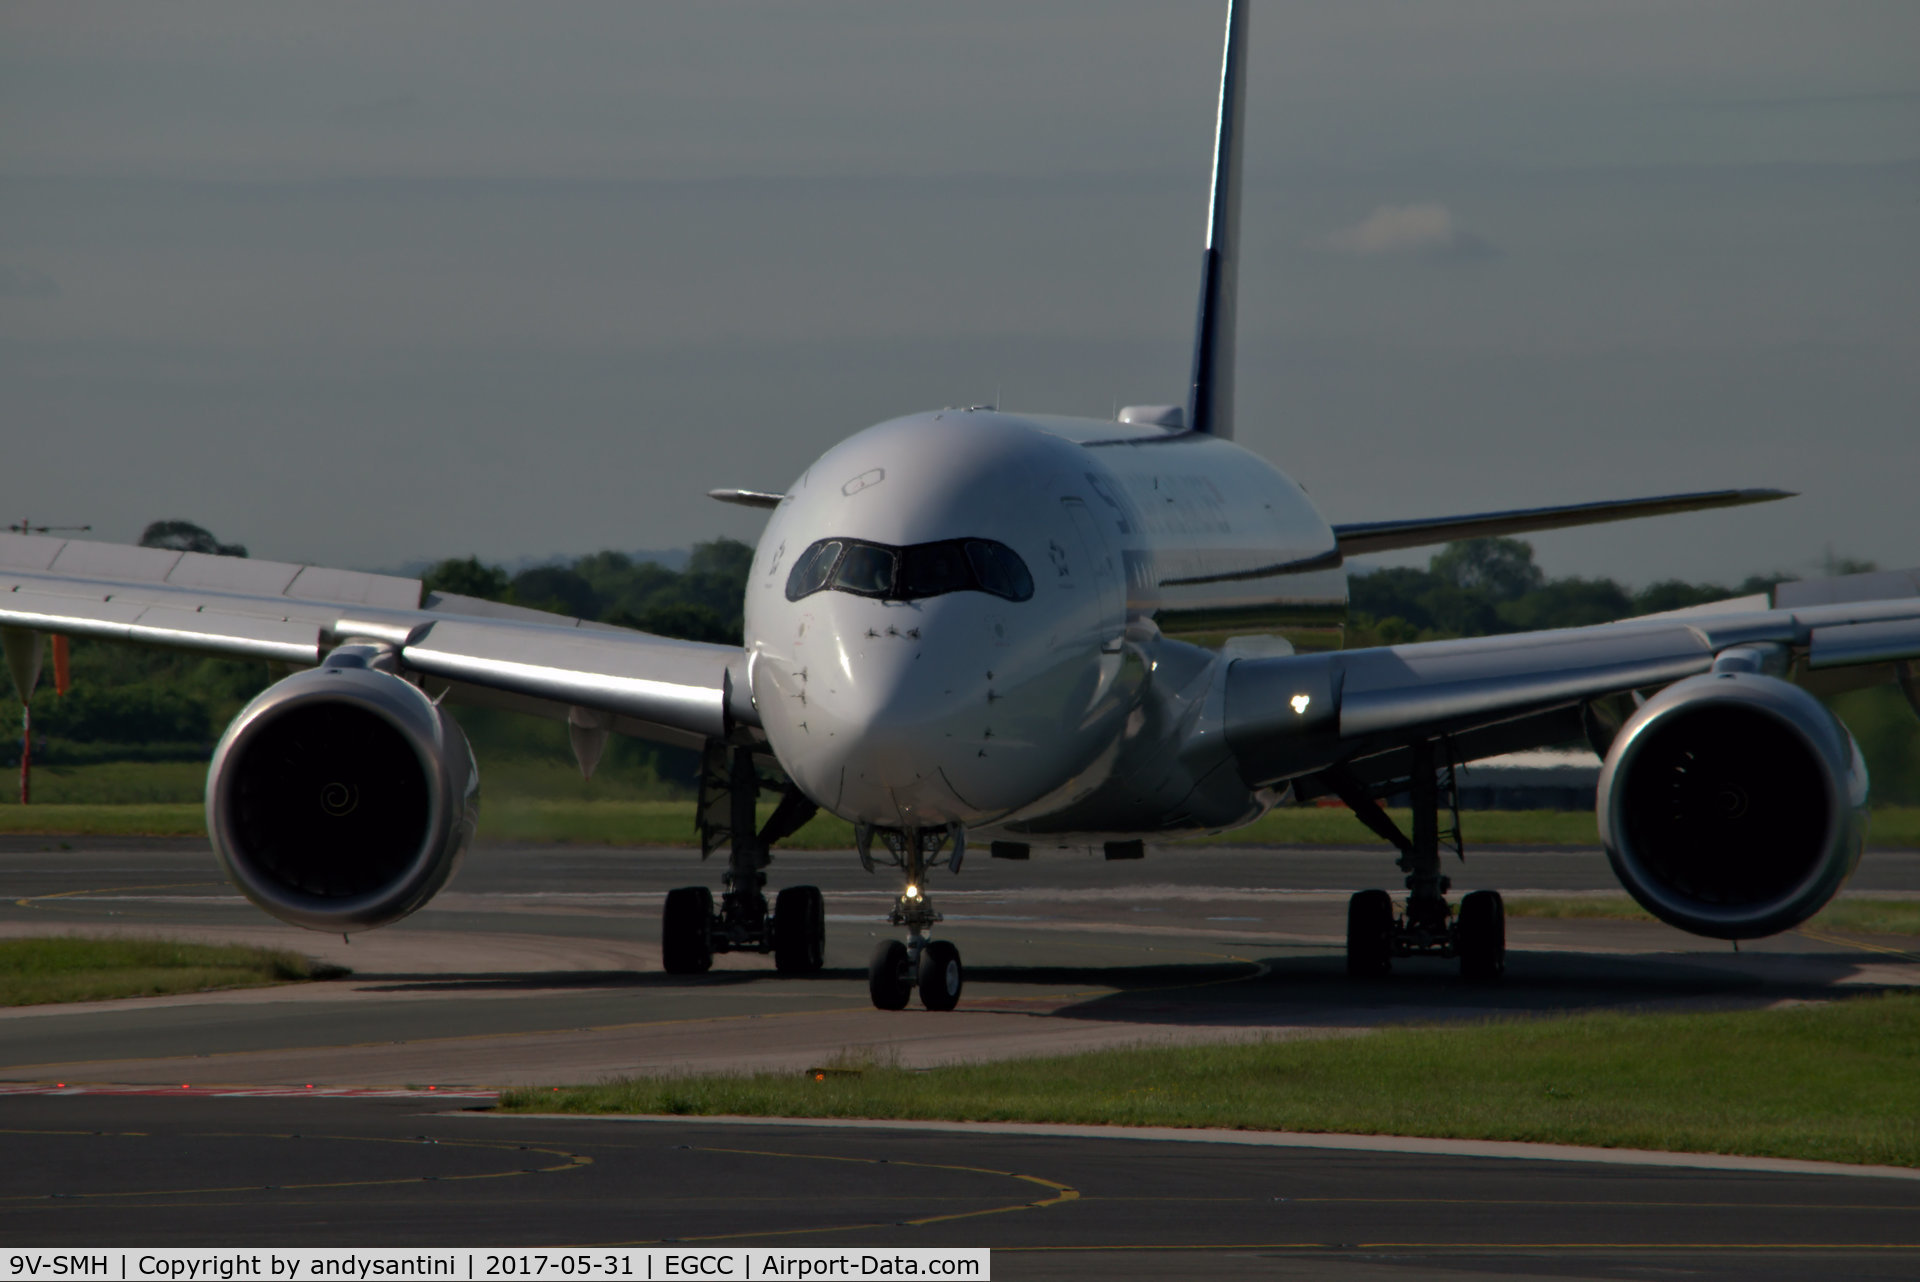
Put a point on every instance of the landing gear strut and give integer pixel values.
(930, 966)
(795, 930)
(1427, 925)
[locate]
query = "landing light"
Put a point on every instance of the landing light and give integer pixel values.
(1300, 702)
(913, 892)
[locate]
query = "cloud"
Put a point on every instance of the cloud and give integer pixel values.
(24, 282)
(1426, 230)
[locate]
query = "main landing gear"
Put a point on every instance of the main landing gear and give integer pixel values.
(795, 930)
(929, 966)
(1427, 926)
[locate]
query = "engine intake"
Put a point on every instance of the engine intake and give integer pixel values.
(341, 798)
(1733, 805)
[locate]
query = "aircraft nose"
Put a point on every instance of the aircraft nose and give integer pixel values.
(893, 729)
(898, 729)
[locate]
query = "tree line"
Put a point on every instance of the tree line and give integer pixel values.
(1481, 587)
(699, 603)
(134, 703)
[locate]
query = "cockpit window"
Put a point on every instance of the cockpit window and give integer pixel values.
(815, 566)
(910, 573)
(998, 570)
(866, 570)
(928, 569)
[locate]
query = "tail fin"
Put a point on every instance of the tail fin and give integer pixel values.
(1210, 398)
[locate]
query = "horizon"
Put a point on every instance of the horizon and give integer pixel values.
(452, 278)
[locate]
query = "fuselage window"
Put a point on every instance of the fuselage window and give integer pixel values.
(910, 573)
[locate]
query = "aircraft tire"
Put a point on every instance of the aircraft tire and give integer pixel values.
(941, 976)
(1370, 934)
(799, 931)
(887, 980)
(1480, 935)
(686, 925)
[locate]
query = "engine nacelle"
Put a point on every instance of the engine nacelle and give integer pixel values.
(342, 798)
(1733, 805)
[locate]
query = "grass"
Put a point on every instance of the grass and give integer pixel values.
(537, 800)
(670, 823)
(119, 783)
(630, 823)
(1838, 1081)
(111, 783)
(1871, 916)
(176, 819)
(1891, 827)
(1336, 826)
(544, 779)
(1868, 916)
(69, 968)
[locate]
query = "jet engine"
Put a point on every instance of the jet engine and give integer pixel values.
(1733, 805)
(342, 797)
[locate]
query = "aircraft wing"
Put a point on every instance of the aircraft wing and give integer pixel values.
(1284, 713)
(1360, 538)
(545, 664)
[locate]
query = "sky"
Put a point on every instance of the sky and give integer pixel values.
(370, 284)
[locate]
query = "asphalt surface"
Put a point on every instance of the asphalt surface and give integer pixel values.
(540, 965)
(192, 1171)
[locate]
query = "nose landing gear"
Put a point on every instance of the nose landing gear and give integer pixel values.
(931, 966)
(888, 975)
(940, 975)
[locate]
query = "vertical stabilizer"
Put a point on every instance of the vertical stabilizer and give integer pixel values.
(1210, 397)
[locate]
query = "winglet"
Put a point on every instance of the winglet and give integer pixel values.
(1210, 396)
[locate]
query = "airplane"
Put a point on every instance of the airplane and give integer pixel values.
(971, 627)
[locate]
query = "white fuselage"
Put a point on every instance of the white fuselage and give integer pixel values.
(965, 707)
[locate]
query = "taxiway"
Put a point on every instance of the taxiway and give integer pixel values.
(540, 965)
